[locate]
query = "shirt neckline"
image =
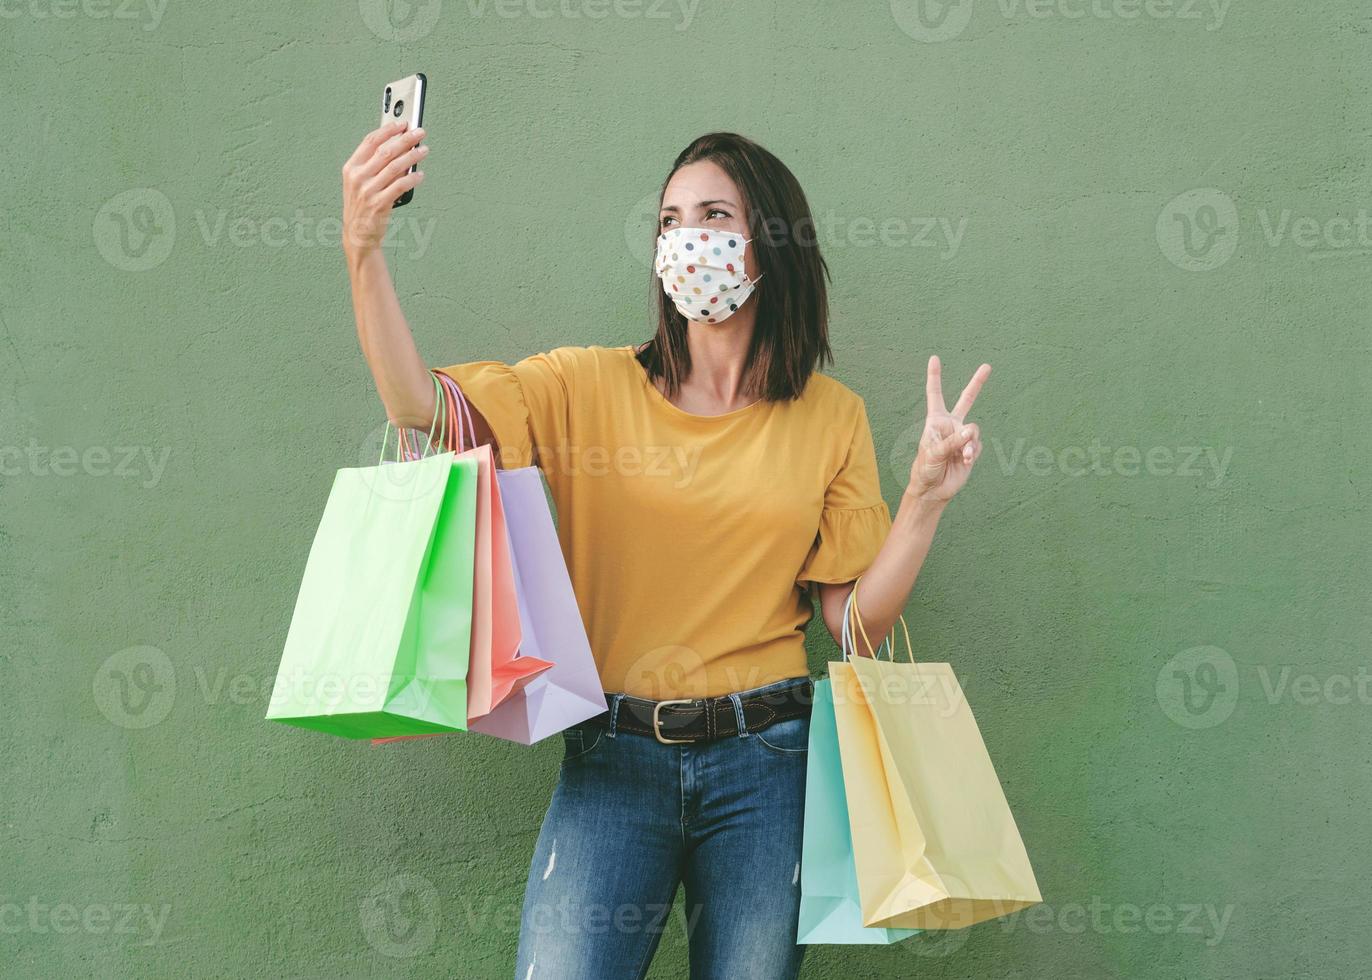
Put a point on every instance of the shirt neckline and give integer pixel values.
(664, 402)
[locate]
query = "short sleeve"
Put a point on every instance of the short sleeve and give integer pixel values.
(855, 520)
(526, 403)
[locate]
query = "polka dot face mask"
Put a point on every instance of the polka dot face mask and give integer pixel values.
(702, 272)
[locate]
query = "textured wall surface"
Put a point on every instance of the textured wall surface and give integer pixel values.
(1151, 217)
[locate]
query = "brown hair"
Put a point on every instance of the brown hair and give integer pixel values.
(791, 338)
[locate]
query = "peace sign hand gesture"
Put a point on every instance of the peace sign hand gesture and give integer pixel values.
(949, 445)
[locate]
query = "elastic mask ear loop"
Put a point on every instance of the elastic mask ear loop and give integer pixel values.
(752, 282)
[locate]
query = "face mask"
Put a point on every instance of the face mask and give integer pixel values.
(702, 272)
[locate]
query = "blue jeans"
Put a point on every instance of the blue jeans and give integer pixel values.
(632, 818)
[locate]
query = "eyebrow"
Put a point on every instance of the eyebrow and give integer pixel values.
(673, 207)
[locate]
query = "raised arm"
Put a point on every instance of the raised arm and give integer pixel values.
(948, 448)
(373, 177)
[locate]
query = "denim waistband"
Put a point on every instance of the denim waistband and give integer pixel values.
(780, 685)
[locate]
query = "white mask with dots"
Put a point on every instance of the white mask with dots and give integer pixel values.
(702, 272)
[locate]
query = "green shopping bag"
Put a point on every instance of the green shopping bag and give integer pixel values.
(379, 640)
(830, 906)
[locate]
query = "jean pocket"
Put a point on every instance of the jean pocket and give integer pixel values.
(789, 737)
(579, 742)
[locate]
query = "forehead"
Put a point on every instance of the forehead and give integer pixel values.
(703, 180)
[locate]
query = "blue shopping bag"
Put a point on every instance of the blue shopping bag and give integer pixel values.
(830, 908)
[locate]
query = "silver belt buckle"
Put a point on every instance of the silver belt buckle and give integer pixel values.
(657, 721)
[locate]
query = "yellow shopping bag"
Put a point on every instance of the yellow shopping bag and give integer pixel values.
(935, 844)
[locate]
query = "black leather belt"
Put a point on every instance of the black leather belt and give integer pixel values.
(701, 719)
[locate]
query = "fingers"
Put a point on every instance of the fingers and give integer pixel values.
(371, 141)
(969, 443)
(397, 167)
(400, 186)
(950, 442)
(933, 386)
(969, 394)
(391, 148)
(938, 432)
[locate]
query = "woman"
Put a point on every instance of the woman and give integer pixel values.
(707, 482)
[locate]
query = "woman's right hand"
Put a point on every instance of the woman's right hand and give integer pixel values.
(375, 175)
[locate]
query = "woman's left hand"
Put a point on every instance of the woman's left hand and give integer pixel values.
(950, 444)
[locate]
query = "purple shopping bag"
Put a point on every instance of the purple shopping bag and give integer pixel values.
(569, 691)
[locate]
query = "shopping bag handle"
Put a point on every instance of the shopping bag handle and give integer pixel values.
(449, 412)
(406, 443)
(851, 610)
(846, 642)
(463, 411)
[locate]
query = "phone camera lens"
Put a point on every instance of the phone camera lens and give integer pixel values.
(386, 105)
(399, 107)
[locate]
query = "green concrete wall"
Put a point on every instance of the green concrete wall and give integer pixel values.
(1151, 217)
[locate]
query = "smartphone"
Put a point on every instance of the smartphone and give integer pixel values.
(404, 99)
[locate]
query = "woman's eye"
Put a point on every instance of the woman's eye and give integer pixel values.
(664, 222)
(716, 213)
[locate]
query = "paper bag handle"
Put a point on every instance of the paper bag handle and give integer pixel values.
(851, 611)
(846, 641)
(458, 410)
(406, 443)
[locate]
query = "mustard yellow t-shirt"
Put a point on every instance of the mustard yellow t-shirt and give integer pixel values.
(689, 538)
